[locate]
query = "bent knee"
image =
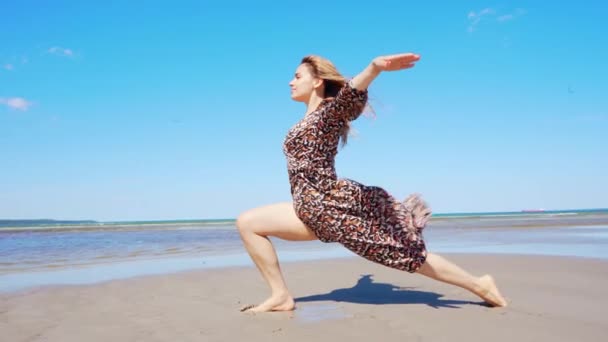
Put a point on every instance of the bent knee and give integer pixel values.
(248, 222)
(244, 221)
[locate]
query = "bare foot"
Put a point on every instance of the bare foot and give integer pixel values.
(274, 303)
(489, 292)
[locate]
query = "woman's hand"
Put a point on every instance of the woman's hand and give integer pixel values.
(395, 62)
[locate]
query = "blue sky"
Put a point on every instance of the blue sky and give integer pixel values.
(178, 110)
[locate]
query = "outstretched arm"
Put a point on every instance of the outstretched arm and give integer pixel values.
(351, 99)
(383, 63)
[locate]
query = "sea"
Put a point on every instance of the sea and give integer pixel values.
(39, 253)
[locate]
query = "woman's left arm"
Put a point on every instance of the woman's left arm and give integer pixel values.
(383, 63)
(365, 77)
(351, 99)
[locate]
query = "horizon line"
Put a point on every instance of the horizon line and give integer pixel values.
(523, 211)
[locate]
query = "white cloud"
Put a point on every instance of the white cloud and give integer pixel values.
(506, 17)
(17, 103)
(59, 51)
(475, 18)
(8, 66)
(486, 11)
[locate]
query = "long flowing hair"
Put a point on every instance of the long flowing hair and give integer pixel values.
(334, 81)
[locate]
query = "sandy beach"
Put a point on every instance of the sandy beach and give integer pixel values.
(551, 299)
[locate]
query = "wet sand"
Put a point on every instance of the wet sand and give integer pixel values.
(551, 299)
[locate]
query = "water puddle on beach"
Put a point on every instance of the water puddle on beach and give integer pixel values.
(319, 312)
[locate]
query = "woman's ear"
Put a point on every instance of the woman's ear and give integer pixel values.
(317, 83)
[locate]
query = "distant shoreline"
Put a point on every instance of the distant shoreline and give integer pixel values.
(14, 223)
(584, 217)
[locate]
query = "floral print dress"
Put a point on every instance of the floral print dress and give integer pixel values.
(367, 220)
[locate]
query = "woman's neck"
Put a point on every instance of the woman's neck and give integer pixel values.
(314, 102)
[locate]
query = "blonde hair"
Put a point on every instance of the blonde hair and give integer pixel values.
(334, 81)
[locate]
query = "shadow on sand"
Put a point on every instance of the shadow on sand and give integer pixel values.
(366, 291)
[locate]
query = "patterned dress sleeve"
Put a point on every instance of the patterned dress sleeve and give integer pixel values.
(348, 103)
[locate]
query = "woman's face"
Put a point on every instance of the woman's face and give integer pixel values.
(303, 84)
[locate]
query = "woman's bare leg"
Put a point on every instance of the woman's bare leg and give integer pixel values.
(439, 268)
(255, 226)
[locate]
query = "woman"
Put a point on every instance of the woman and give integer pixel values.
(365, 219)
